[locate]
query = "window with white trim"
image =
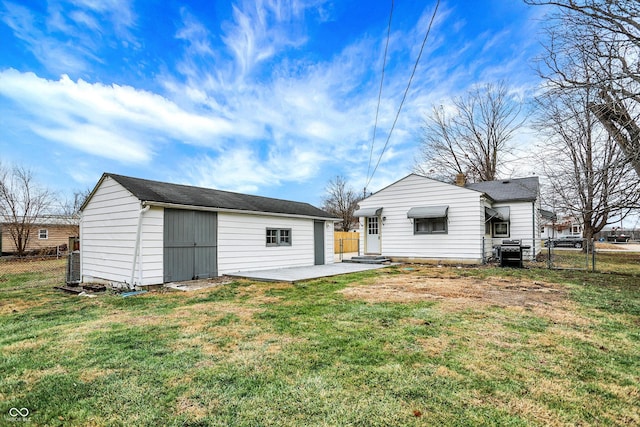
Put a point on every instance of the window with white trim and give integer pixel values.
(43, 234)
(500, 229)
(278, 237)
(430, 225)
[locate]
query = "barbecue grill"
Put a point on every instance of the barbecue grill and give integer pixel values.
(511, 253)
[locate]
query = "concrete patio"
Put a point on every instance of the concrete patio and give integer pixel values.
(296, 274)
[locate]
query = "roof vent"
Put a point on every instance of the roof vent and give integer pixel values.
(506, 182)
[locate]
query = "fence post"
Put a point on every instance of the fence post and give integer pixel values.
(549, 244)
(586, 257)
(593, 255)
(341, 249)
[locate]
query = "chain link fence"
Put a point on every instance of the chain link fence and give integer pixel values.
(559, 254)
(33, 264)
(569, 254)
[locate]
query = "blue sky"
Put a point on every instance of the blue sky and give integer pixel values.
(263, 97)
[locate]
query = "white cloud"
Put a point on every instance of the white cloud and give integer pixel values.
(327, 108)
(195, 34)
(124, 121)
(98, 141)
(262, 28)
(242, 169)
(264, 111)
(68, 37)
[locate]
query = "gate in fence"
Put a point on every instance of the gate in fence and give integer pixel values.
(346, 243)
(570, 254)
(73, 268)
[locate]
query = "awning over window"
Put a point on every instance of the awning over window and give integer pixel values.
(491, 213)
(367, 212)
(501, 213)
(428, 212)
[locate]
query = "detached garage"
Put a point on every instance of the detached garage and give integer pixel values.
(140, 232)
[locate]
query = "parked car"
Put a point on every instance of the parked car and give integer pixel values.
(620, 238)
(565, 242)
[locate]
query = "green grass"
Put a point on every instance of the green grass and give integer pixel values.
(307, 354)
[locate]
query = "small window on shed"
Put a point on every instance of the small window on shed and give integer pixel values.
(278, 237)
(43, 234)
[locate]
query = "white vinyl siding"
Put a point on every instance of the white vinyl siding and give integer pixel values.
(109, 225)
(328, 242)
(241, 243)
(108, 233)
(524, 224)
(465, 220)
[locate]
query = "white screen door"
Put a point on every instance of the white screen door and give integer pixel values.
(373, 235)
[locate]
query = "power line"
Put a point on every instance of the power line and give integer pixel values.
(404, 97)
(384, 64)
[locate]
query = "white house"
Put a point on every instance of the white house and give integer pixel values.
(140, 232)
(419, 218)
(560, 226)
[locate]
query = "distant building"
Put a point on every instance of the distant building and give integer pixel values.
(47, 232)
(555, 227)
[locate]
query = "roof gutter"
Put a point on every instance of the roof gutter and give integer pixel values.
(238, 211)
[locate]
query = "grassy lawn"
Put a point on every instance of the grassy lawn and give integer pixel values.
(405, 345)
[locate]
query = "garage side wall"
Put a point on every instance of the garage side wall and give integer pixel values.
(329, 250)
(242, 243)
(151, 248)
(107, 234)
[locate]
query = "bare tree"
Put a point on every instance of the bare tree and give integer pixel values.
(70, 207)
(473, 138)
(588, 177)
(341, 201)
(22, 204)
(607, 32)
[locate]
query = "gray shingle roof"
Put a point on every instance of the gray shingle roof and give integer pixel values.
(509, 190)
(163, 192)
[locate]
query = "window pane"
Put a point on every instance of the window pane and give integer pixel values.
(272, 237)
(285, 236)
(501, 229)
(439, 225)
(422, 225)
(373, 225)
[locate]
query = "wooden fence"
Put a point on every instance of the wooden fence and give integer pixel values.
(345, 242)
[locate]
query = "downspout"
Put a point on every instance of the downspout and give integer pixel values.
(137, 247)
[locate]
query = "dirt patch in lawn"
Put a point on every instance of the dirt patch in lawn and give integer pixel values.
(461, 291)
(455, 293)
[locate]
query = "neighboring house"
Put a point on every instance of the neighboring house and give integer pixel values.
(142, 232)
(47, 233)
(561, 226)
(419, 218)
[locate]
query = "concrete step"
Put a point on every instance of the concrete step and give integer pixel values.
(368, 259)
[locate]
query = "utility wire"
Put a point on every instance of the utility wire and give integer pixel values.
(424, 41)
(384, 64)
